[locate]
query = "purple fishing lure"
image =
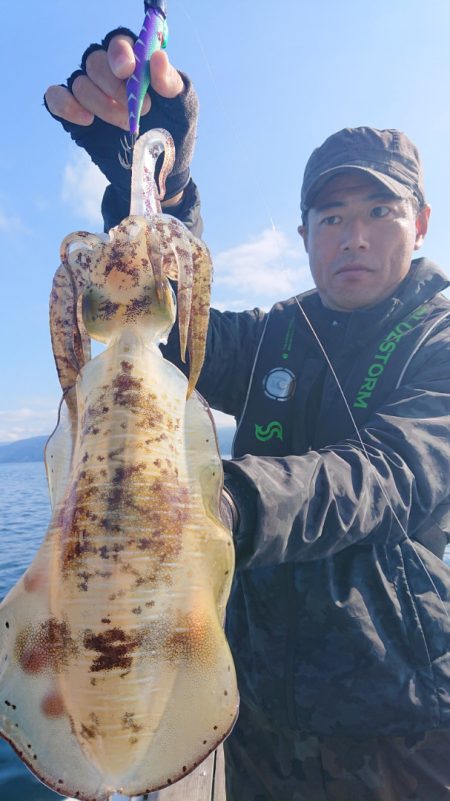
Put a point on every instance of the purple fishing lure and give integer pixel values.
(153, 36)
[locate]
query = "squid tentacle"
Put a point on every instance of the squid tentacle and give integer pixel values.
(198, 328)
(145, 196)
(174, 253)
(173, 241)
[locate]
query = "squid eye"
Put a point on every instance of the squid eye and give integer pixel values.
(101, 316)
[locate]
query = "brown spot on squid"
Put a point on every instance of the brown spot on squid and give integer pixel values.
(52, 705)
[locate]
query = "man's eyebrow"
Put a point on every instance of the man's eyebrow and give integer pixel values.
(329, 204)
(337, 204)
(383, 196)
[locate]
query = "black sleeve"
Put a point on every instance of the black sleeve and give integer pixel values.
(116, 206)
(231, 346)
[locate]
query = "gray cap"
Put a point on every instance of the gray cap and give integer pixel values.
(389, 156)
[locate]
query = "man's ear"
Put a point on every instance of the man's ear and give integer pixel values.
(422, 226)
(303, 231)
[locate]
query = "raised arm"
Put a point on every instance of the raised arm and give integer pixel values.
(92, 107)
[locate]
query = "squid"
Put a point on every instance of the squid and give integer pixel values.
(115, 674)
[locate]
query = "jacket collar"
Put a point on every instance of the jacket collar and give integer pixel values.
(424, 280)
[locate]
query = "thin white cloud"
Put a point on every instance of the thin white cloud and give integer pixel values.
(268, 268)
(33, 420)
(83, 187)
(10, 223)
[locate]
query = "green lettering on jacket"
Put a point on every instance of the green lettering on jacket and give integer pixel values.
(384, 351)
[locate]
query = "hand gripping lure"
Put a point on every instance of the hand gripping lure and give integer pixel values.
(153, 36)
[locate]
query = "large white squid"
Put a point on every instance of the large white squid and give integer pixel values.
(115, 675)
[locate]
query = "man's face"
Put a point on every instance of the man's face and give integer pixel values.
(360, 239)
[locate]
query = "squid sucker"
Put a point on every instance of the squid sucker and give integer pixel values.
(115, 674)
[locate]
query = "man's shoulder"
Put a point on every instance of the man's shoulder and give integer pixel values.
(437, 327)
(310, 297)
(423, 302)
(427, 282)
(440, 304)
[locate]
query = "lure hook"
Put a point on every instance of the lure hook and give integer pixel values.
(126, 160)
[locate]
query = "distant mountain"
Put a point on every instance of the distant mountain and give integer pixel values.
(32, 449)
(23, 450)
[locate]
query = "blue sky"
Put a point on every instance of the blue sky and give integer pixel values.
(274, 80)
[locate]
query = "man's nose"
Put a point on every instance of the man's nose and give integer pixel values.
(354, 235)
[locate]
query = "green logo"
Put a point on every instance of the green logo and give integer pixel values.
(271, 430)
(287, 344)
(384, 352)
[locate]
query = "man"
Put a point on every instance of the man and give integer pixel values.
(337, 490)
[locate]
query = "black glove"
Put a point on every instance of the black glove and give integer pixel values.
(103, 141)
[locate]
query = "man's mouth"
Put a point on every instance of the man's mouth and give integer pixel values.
(353, 268)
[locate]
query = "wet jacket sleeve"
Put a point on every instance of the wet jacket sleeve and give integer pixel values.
(299, 508)
(232, 341)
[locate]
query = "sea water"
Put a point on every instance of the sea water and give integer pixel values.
(24, 517)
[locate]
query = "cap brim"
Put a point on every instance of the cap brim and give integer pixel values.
(398, 189)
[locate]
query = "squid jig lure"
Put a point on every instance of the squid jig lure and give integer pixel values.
(152, 37)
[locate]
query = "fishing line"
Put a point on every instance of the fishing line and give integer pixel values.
(238, 142)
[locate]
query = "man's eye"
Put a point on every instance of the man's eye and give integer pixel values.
(333, 219)
(380, 211)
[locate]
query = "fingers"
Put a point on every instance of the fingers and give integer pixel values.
(101, 92)
(99, 72)
(165, 79)
(111, 75)
(63, 104)
(93, 99)
(121, 57)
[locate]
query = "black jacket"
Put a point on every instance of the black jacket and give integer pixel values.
(339, 617)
